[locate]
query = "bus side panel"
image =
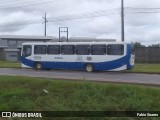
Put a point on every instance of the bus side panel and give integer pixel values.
(110, 65)
(63, 65)
(80, 66)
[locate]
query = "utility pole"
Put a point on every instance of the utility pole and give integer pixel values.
(122, 21)
(45, 24)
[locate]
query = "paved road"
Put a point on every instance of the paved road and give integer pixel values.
(151, 79)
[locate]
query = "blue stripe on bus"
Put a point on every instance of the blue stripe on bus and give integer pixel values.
(129, 52)
(109, 65)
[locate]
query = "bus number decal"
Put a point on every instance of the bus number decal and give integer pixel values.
(37, 57)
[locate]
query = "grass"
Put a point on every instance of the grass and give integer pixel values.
(146, 68)
(27, 94)
(9, 64)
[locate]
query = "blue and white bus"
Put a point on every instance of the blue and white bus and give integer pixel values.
(89, 56)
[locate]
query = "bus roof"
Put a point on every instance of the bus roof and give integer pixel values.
(68, 43)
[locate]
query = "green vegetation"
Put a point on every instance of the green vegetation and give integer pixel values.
(146, 68)
(27, 94)
(8, 64)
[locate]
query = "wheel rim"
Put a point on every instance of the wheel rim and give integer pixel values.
(38, 66)
(89, 68)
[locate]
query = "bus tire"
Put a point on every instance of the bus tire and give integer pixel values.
(89, 68)
(38, 66)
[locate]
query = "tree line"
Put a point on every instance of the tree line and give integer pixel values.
(138, 44)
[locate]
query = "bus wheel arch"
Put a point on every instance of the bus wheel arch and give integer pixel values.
(38, 65)
(89, 67)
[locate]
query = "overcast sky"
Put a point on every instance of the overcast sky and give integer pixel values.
(85, 18)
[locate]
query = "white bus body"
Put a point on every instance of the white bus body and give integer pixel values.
(89, 56)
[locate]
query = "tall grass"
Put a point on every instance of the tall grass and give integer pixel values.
(27, 94)
(19, 93)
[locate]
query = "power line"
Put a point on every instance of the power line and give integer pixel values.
(65, 18)
(77, 17)
(145, 8)
(143, 12)
(23, 23)
(82, 16)
(133, 10)
(6, 1)
(31, 3)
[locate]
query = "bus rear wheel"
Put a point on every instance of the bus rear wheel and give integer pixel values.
(38, 66)
(89, 68)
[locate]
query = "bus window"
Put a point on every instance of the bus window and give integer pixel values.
(54, 49)
(27, 50)
(67, 49)
(83, 49)
(115, 49)
(40, 49)
(98, 49)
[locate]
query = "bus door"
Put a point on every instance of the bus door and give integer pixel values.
(26, 55)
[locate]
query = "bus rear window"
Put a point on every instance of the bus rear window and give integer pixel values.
(115, 49)
(27, 50)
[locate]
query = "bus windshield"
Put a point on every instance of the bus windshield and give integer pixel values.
(27, 50)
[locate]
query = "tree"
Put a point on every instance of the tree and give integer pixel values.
(155, 45)
(138, 44)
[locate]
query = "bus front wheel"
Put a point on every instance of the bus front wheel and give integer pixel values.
(38, 66)
(89, 68)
